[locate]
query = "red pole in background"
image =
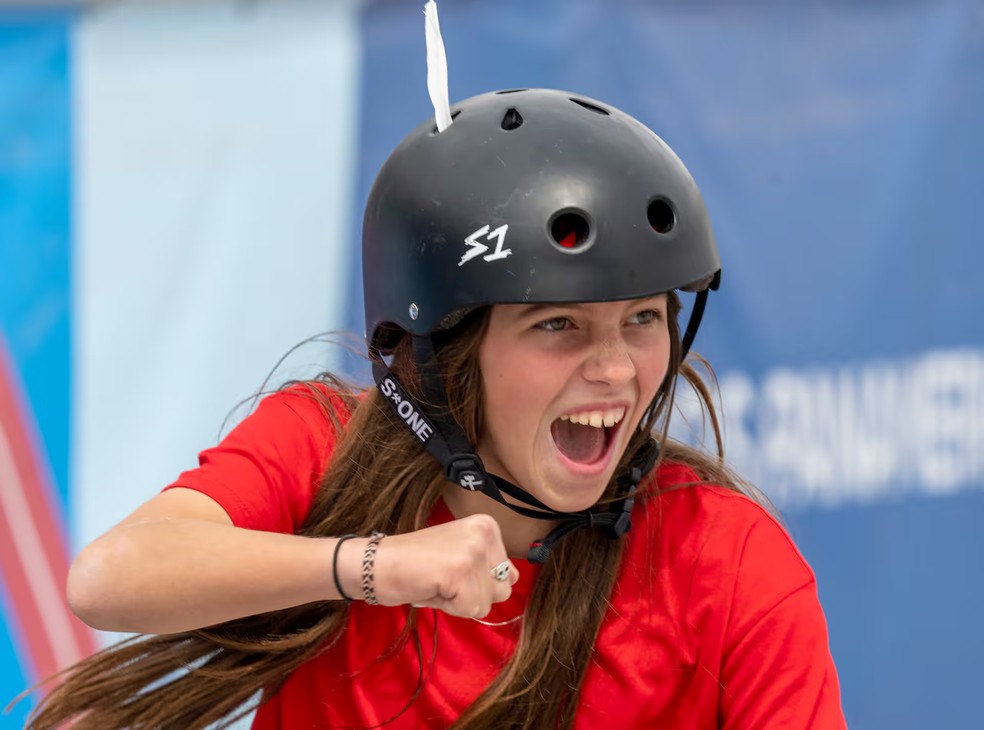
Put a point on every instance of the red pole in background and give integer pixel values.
(34, 554)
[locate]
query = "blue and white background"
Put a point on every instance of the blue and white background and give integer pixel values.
(180, 186)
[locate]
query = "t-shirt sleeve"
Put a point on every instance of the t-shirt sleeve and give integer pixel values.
(777, 670)
(265, 472)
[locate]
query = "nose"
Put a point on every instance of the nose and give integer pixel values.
(609, 362)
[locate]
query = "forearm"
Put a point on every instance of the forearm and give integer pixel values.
(165, 576)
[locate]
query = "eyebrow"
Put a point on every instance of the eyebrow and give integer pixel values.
(531, 309)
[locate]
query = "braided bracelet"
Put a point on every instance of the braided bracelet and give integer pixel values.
(368, 579)
(334, 567)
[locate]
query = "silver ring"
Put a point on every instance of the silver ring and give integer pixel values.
(501, 571)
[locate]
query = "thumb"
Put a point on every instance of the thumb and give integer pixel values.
(513, 573)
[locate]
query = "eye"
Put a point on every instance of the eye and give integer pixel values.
(555, 324)
(646, 316)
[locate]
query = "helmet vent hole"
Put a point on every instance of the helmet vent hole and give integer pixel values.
(570, 231)
(512, 120)
(454, 115)
(591, 107)
(510, 91)
(661, 216)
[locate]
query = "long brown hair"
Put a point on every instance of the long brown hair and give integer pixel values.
(379, 479)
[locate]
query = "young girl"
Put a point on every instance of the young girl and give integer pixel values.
(453, 547)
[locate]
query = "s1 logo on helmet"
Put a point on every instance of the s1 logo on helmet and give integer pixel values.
(477, 249)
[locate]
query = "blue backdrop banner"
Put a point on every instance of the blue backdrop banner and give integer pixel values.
(838, 147)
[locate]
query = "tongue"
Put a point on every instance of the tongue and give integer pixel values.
(583, 444)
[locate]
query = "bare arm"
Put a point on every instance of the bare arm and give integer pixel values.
(177, 563)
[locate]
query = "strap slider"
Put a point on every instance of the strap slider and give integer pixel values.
(623, 524)
(538, 552)
(467, 471)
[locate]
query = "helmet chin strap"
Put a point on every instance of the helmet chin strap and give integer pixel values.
(443, 439)
(696, 314)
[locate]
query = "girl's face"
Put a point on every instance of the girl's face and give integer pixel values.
(565, 386)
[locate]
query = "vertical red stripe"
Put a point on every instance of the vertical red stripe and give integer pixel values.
(34, 556)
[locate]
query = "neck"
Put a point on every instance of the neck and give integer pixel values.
(518, 531)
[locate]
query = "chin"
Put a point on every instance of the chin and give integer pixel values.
(565, 501)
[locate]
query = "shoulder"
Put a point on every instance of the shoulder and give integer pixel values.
(681, 500)
(715, 533)
(265, 472)
(310, 400)
(307, 410)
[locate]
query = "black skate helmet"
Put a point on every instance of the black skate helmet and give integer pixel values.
(530, 196)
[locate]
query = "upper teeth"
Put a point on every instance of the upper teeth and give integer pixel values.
(596, 418)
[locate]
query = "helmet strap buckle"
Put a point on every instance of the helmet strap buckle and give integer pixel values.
(467, 471)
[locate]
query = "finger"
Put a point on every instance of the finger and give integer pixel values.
(501, 580)
(460, 607)
(505, 571)
(501, 592)
(479, 602)
(472, 598)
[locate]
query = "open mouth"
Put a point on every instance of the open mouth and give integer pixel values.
(586, 437)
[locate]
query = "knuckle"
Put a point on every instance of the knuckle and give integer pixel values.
(473, 550)
(463, 562)
(485, 526)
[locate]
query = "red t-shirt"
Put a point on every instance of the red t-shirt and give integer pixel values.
(714, 621)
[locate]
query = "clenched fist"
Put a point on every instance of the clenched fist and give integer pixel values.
(450, 567)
